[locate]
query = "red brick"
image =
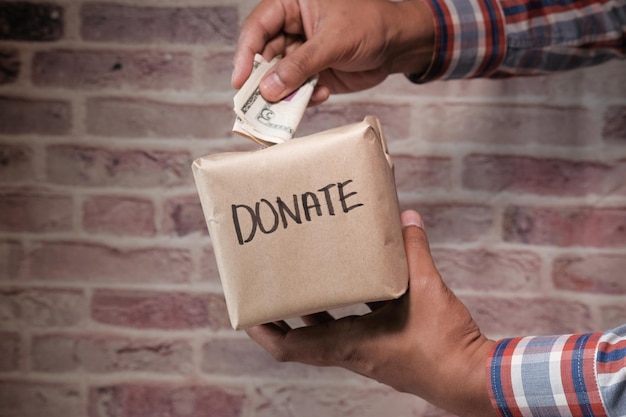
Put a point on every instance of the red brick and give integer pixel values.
(30, 399)
(244, 358)
(454, 223)
(115, 69)
(135, 400)
(9, 65)
(161, 310)
(31, 116)
(568, 85)
(613, 315)
(35, 307)
(217, 68)
(119, 215)
(615, 124)
(604, 81)
(16, 163)
(422, 172)
(488, 270)
(333, 401)
(120, 23)
(26, 21)
(25, 210)
(236, 144)
(594, 273)
(92, 262)
(397, 85)
(319, 118)
(618, 178)
(183, 216)
(536, 87)
(139, 118)
(546, 176)
(11, 255)
(9, 351)
(529, 316)
(78, 165)
(566, 226)
(109, 353)
(505, 124)
(208, 265)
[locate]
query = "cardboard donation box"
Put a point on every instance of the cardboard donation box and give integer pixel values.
(308, 225)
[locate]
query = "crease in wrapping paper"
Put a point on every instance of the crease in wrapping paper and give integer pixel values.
(309, 225)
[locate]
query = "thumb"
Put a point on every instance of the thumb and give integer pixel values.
(419, 259)
(293, 70)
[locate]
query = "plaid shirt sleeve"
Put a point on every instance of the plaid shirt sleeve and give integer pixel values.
(558, 376)
(501, 38)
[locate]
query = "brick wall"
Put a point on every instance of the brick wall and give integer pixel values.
(110, 305)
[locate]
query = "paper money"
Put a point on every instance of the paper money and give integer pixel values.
(265, 122)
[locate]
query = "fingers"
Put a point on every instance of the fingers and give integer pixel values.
(295, 68)
(326, 341)
(420, 261)
(268, 336)
(411, 218)
(275, 28)
(332, 344)
(262, 25)
(320, 95)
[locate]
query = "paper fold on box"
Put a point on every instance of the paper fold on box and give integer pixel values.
(309, 225)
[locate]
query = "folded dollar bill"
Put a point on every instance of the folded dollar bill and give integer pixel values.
(265, 122)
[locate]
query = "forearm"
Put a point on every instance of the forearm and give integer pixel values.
(411, 35)
(500, 38)
(563, 36)
(559, 375)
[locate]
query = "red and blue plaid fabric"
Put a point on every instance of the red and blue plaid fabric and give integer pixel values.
(570, 375)
(501, 38)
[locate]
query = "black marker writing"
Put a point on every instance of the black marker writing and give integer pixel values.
(267, 216)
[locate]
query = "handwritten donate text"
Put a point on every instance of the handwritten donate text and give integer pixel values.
(268, 216)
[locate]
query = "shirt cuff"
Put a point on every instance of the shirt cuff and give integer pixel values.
(611, 370)
(545, 375)
(470, 40)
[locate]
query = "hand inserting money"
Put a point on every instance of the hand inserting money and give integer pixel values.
(265, 122)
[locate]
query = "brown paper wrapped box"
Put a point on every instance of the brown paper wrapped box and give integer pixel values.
(309, 225)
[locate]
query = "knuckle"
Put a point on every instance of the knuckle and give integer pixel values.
(293, 68)
(280, 355)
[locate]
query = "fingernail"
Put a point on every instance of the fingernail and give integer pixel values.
(272, 85)
(411, 218)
